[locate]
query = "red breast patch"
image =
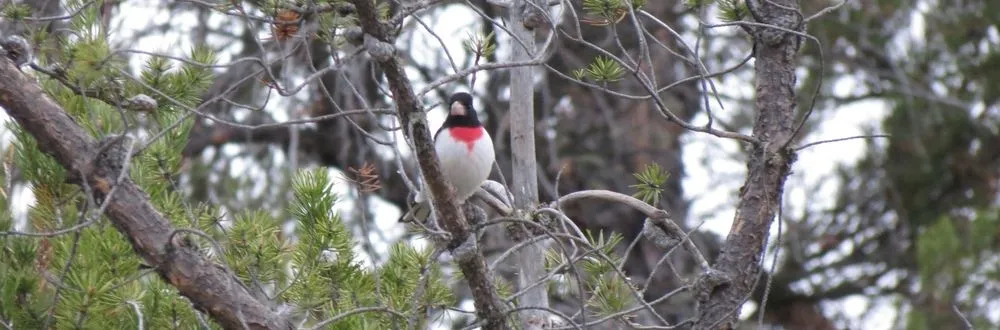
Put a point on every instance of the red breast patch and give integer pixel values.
(467, 135)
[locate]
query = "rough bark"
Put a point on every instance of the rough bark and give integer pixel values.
(209, 287)
(722, 293)
(379, 43)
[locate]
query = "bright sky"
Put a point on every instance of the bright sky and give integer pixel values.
(709, 180)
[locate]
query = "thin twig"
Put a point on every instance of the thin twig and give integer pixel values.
(825, 11)
(968, 325)
(95, 216)
(641, 206)
(774, 264)
(660, 104)
(62, 17)
(63, 231)
(343, 315)
(821, 58)
(138, 313)
(425, 273)
(870, 136)
(62, 278)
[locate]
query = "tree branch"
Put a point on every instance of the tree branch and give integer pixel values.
(658, 217)
(207, 286)
(379, 42)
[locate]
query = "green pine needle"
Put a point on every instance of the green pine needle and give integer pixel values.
(732, 10)
(696, 4)
(604, 246)
(314, 197)
(651, 180)
(16, 11)
(553, 258)
(610, 9)
(602, 8)
(611, 294)
(401, 276)
(605, 69)
(480, 45)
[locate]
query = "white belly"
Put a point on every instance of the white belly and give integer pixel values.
(463, 168)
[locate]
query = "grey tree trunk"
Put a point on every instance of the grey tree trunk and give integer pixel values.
(529, 259)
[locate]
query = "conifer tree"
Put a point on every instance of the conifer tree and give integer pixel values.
(240, 178)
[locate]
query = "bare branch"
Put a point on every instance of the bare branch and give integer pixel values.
(870, 136)
(826, 10)
(61, 17)
(654, 214)
(652, 92)
(138, 314)
(341, 316)
(968, 325)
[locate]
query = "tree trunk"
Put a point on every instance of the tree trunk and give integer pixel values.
(721, 293)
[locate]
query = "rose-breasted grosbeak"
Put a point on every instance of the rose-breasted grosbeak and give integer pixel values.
(465, 151)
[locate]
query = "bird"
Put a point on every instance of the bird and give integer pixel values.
(465, 151)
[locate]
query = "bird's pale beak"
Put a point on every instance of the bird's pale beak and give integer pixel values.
(457, 109)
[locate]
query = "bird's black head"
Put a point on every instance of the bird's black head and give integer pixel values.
(461, 113)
